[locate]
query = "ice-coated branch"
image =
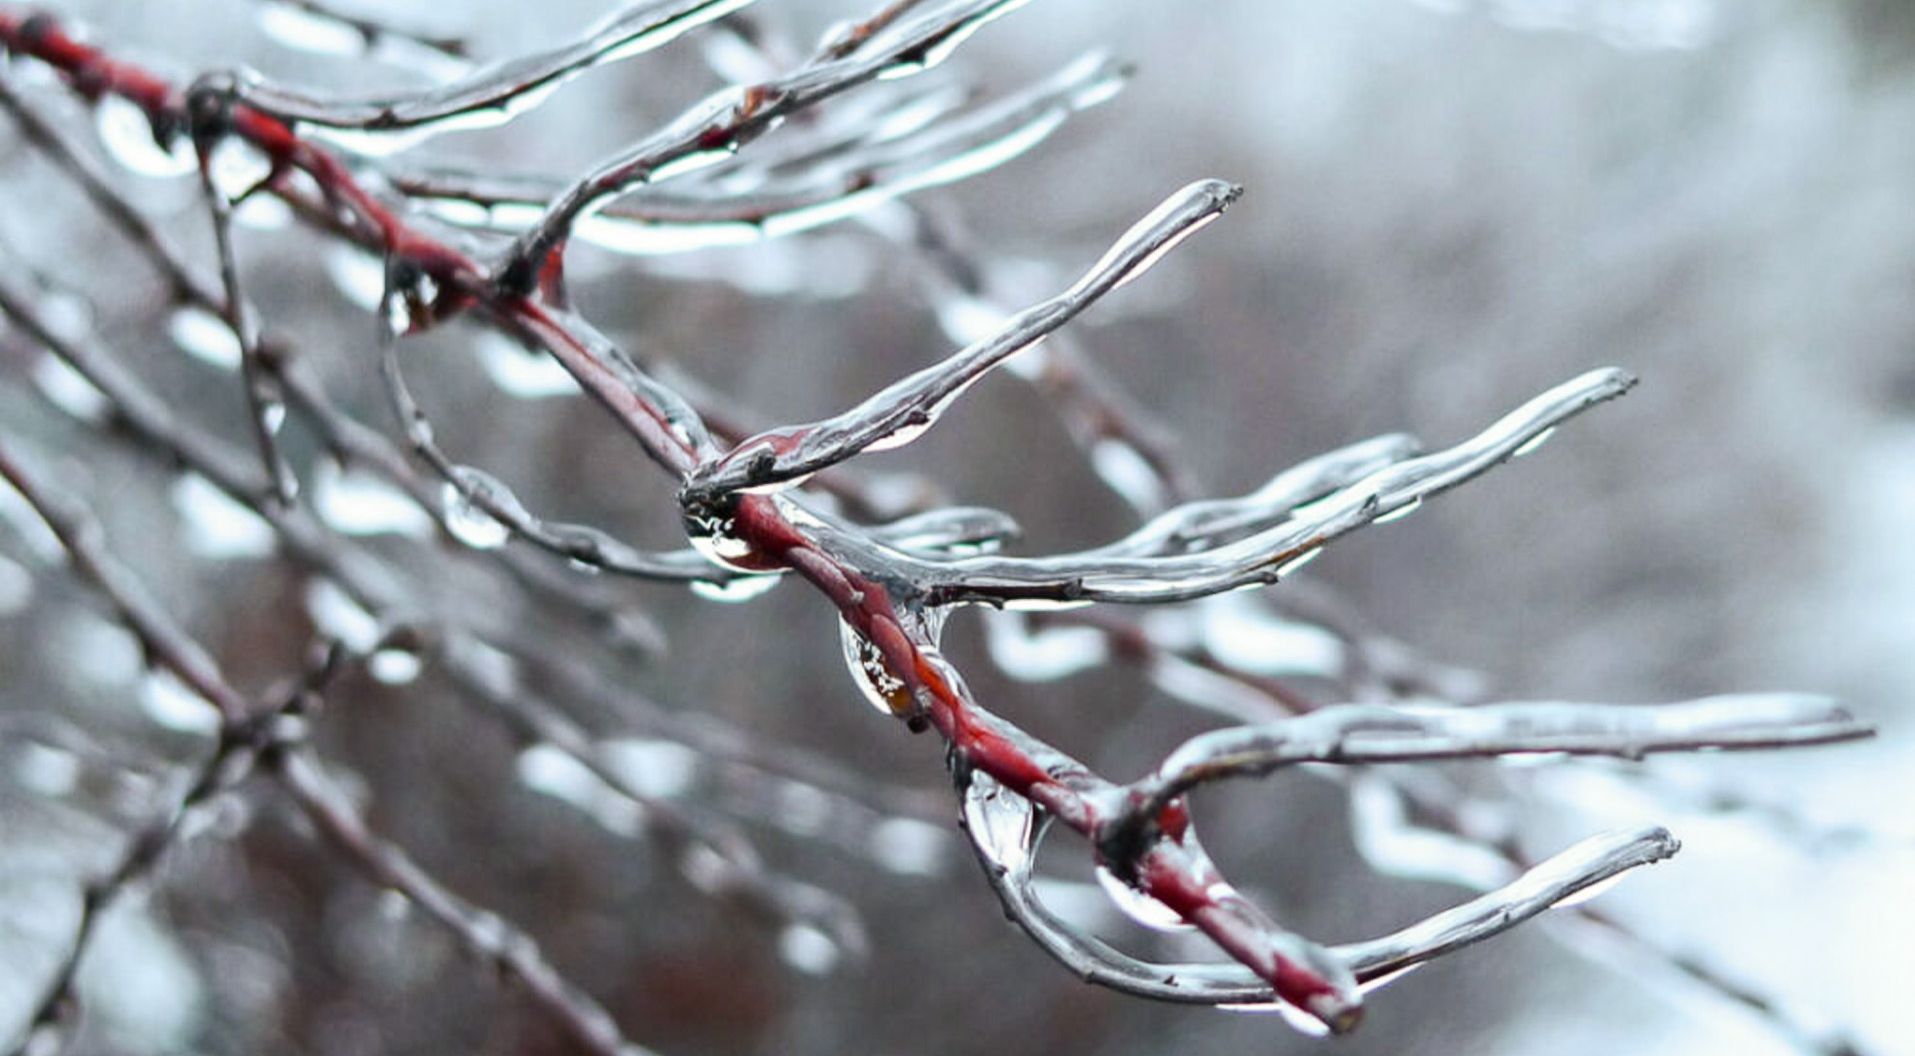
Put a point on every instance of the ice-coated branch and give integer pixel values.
(796, 194)
(905, 409)
(1007, 845)
(1112, 574)
(717, 128)
(889, 590)
(1200, 525)
(1378, 733)
(497, 93)
(1374, 733)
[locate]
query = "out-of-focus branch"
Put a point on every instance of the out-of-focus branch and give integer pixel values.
(499, 92)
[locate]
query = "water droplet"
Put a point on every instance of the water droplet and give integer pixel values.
(69, 390)
(352, 501)
(521, 373)
(304, 31)
(1392, 843)
(358, 275)
(470, 523)
(205, 337)
(338, 616)
(1002, 824)
(803, 810)
(1381, 981)
(394, 906)
(1245, 634)
(1534, 442)
(394, 666)
(237, 167)
(1125, 470)
(1291, 566)
(808, 949)
(1400, 512)
(646, 238)
(743, 588)
(46, 770)
(711, 535)
(128, 138)
(1138, 906)
(654, 768)
(886, 691)
(263, 212)
(217, 526)
(1302, 1021)
(1041, 655)
(909, 846)
(67, 316)
(1577, 898)
(16, 587)
(272, 415)
(167, 701)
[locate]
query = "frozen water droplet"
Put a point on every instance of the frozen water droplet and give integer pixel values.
(1534, 442)
(354, 502)
(1042, 655)
(358, 275)
(128, 138)
(1138, 906)
(205, 337)
(1302, 1021)
(1400, 512)
(1129, 474)
(744, 588)
(272, 415)
(518, 372)
(1291, 566)
(1577, 898)
(1247, 635)
(237, 167)
(68, 316)
(16, 587)
(304, 31)
(711, 535)
(167, 701)
(1002, 824)
(69, 390)
(394, 906)
(394, 666)
(339, 617)
(808, 949)
(217, 526)
(47, 770)
(886, 691)
(552, 771)
(1381, 981)
(263, 212)
(470, 523)
(1392, 843)
(644, 238)
(660, 769)
(909, 846)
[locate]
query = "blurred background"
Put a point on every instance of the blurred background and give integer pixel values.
(1449, 207)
